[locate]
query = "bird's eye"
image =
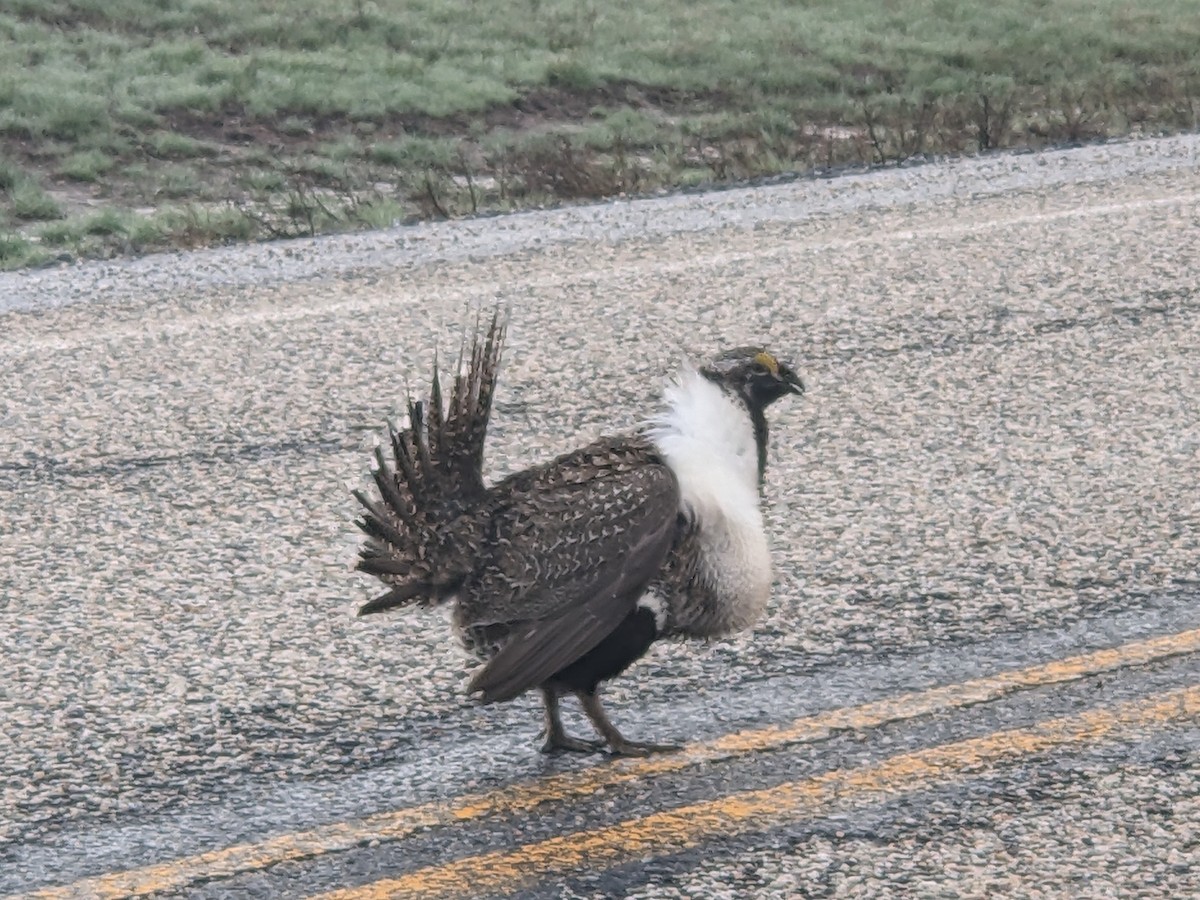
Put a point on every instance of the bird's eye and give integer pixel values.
(758, 369)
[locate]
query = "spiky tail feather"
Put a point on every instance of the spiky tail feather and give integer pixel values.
(435, 475)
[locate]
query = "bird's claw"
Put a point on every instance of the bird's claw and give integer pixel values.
(623, 747)
(556, 743)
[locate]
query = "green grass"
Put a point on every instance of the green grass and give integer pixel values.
(10, 175)
(410, 108)
(86, 165)
(59, 234)
(29, 202)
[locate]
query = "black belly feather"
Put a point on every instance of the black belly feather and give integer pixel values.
(622, 648)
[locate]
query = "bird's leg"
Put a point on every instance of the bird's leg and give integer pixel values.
(556, 737)
(617, 744)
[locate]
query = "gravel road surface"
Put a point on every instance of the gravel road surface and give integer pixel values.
(996, 463)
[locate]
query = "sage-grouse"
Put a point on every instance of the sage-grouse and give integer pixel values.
(563, 575)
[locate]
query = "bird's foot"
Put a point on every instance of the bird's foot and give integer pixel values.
(622, 747)
(556, 743)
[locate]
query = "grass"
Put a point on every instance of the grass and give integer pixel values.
(27, 201)
(86, 165)
(238, 121)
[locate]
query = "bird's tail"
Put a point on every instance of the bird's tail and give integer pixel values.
(434, 476)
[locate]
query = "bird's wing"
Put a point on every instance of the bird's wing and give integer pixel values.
(573, 555)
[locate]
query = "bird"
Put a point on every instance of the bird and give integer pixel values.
(560, 576)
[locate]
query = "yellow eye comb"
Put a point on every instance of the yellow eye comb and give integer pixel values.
(763, 358)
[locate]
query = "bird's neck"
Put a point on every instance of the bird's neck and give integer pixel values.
(713, 441)
(759, 419)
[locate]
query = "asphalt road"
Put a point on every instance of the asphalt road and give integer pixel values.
(978, 674)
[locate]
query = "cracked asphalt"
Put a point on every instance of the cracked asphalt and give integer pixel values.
(995, 466)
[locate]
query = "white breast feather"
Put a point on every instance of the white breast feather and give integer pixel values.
(707, 439)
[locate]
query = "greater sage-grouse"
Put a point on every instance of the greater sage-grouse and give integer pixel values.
(563, 575)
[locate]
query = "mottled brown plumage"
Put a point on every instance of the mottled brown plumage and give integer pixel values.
(563, 574)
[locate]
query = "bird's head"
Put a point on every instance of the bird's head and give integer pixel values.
(754, 374)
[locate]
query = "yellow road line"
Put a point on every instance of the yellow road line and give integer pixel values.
(680, 829)
(230, 861)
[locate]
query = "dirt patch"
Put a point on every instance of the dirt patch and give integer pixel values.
(562, 104)
(75, 199)
(534, 110)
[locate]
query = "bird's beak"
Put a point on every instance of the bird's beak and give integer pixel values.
(791, 381)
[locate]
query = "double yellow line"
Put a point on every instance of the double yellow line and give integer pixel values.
(737, 812)
(689, 826)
